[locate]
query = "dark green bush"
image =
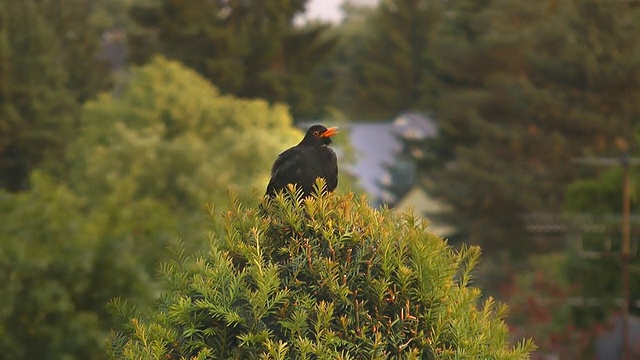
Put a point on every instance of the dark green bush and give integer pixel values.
(320, 278)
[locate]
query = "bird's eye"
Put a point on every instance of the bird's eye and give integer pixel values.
(316, 133)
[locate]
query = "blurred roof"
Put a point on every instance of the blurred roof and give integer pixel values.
(377, 147)
(414, 126)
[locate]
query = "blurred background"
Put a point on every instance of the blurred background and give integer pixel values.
(513, 125)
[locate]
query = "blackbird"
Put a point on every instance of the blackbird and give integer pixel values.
(304, 163)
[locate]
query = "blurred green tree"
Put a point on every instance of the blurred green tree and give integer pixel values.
(481, 62)
(246, 48)
(177, 140)
(79, 43)
(326, 277)
(393, 69)
(524, 87)
(602, 195)
(37, 113)
(111, 14)
(350, 36)
(600, 278)
(565, 299)
(63, 257)
(180, 141)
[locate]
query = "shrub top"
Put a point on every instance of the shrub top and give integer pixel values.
(326, 277)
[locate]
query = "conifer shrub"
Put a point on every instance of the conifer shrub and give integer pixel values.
(326, 277)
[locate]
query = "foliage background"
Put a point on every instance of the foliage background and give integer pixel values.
(114, 114)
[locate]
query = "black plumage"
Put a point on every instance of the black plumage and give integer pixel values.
(304, 163)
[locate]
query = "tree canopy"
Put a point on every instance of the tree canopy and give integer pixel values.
(177, 139)
(62, 258)
(37, 112)
(523, 89)
(247, 48)
(391, 70)
(325, 277)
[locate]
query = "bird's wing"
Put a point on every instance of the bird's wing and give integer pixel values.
(332, 176)
(285, 170)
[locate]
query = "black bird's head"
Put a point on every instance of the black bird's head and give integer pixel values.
(318, 135)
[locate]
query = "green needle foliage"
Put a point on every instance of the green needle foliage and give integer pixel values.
(326, 277)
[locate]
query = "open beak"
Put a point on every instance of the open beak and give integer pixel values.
(330, 132)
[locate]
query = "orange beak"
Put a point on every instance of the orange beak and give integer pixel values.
(330, 132)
